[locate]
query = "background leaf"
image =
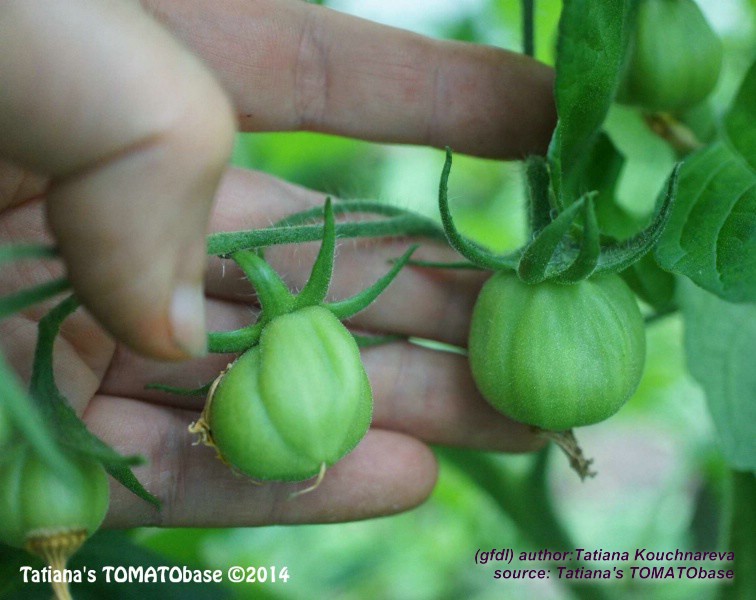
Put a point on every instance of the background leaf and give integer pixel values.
(720, 343)
(590, 54)
(711, 234)
(740, 123)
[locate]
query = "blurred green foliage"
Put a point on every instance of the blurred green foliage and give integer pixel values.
(660, 471)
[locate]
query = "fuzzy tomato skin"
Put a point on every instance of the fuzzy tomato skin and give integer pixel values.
(556, 356)
(675, 57)
(36, 501)
(298, 400)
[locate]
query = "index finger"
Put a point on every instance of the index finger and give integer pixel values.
(295, 66)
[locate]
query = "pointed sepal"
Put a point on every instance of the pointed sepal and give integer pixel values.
(542, 252)
(351, 306)
(618, 256)
(316, 288)
(473, 252)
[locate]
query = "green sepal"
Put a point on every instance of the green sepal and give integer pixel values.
(275, 298)
(69, 430)
(316, 288)
(590, 248)
(180, 391)
(22, 251)
(432, 264)
(540, 253)
(22, 299)
(618, 256)
(368, 341)
(344, 309)
(473, 252)
(239, 340)
(26, 420)
(541, 200)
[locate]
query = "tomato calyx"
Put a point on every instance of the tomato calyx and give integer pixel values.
(297, 399)
(566, 245)
(276, 299)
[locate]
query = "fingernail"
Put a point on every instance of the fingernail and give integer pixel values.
(188, 319)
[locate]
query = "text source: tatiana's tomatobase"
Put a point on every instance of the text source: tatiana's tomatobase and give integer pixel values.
(642, 564)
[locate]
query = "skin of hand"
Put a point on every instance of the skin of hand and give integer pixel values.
(118, 120)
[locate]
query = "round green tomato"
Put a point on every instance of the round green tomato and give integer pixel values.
(675, 57)
(294, 404)
(37, 502)
(557, 356)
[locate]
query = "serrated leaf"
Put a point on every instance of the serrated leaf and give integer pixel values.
(720, 343)
(740, 122)
(69, 430)
(711, 233)
(590, 54)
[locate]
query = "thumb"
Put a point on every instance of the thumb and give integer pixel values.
(135, 133)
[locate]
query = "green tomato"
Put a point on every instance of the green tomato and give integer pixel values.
(294, 404)
(557, 356)
(675, 57)
(37, 503)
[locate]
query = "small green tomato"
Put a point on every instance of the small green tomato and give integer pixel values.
(294, 404)
(557, 356)
(41, 507)
(675, 57)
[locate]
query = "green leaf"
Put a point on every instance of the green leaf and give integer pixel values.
(590, 54)
(720, 343)
(742, 537)
(711, 234)
(740, 122)
(651, 284)
(57, 412)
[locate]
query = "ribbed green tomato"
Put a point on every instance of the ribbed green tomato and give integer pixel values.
(294, 404)
(38, 502)
(675, 57)
(557, 356)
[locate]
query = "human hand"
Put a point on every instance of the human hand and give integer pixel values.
(123, 135)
